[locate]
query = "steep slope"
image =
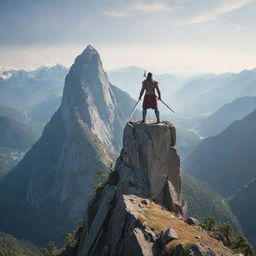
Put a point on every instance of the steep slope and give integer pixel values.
(243, 204)
(226, 115)
(10, 246)
(53, 183)
(138, 210)
(226, 161)
(202, 201)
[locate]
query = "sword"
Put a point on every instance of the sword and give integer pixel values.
(167, 106)
(133, 110)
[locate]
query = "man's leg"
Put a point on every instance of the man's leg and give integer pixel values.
(144, 113)
(157, 115)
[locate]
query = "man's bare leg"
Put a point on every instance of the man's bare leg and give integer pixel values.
(157, 115)
(144, 113)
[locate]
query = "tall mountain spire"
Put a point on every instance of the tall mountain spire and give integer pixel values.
(55, 179)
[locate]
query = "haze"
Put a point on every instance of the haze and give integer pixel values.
(171, 36)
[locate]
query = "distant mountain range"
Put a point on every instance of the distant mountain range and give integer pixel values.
(17, 135)
(130, 79)
(226, 115)
(43, 111)
(226, 161)
(21, 89)
(205, 94)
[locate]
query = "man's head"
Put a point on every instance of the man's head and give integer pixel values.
(149, 76)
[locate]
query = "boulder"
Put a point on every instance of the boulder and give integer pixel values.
(219, 236)
(167, 235)
(192, 221)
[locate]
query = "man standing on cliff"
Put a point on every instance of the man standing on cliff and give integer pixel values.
(150, 99)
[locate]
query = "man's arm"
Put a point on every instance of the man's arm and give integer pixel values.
(158, 91)
(142, 91)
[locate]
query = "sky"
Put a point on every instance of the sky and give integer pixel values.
(164, 36)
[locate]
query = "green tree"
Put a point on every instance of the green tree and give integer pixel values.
(70, 240)
(209, 223)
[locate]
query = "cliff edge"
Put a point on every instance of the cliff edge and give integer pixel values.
(139, 210)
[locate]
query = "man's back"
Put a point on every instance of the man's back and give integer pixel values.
(149, 85)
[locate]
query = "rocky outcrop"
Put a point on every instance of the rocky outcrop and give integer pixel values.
(138, 211)
(149, 165)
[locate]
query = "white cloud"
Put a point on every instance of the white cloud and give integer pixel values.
(227, 6)
(140, 7)
(151, 7)
(116, 14)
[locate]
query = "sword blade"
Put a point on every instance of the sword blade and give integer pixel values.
(167, 106)
(133, 110)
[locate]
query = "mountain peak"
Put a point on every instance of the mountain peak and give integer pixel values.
(88, 61)
(90, 50)
(88, 53)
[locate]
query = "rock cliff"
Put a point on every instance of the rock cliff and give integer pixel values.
(52, 184)
(139, 210)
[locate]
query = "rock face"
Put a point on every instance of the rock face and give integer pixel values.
(147, 170)
(148, 156)
(52, 184)
(138, 210)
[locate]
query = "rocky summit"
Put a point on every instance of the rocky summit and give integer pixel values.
(139, 210)
(48, 191)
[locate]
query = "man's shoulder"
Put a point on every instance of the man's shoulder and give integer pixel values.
(155, 82)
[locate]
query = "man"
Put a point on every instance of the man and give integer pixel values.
(150, 98)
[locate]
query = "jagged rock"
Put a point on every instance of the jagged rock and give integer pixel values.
(136, 244)
(200, 250)
(173, 200)
(146, 164)
(219, 236)
(192, 221)
(148, 154)
(177, 251)
(132, 216)
(168, 235)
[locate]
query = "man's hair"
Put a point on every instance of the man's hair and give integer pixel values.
(149, 76)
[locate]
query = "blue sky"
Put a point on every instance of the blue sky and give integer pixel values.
(174, 36)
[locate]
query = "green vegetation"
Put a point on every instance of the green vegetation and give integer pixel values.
(53, 250)
(10, 246)
(238, 244)
(202, 201)
(104, 180)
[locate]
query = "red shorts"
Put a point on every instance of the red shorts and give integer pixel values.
(150, 101)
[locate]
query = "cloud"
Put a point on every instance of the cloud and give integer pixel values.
(236, 27)
(151, 7)
(140, 7)
(225, 8)
(116, 14)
